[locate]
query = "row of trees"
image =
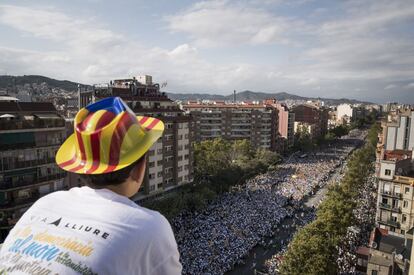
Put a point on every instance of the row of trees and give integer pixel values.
(314, 249)
(304, 142)
(218, 165)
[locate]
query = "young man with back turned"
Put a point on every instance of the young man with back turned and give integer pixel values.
(96, 229)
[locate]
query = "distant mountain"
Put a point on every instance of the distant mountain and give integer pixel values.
(8, 81)
(249, 95)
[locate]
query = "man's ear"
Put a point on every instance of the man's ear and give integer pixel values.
(138, 172)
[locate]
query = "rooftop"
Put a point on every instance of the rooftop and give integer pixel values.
(388, 243)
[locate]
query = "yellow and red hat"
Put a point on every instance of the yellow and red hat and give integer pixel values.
(108, 137)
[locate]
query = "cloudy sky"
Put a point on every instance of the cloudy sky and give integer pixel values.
(327, 48)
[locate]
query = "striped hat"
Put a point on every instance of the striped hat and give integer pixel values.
(108, 137)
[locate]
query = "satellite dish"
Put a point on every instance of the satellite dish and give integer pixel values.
(374, 245)
(399, 257)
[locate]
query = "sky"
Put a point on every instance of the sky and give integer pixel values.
(327, 48)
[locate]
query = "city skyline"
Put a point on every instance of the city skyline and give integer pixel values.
(309, 48)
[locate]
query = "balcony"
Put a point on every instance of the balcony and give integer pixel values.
(20, 201)
(389, 207)
(8, 184)
(391, 194)
(32, 124)
(26, 164)
(390, 222)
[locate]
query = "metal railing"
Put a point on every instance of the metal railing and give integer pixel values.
(391, 194)
(8, 184)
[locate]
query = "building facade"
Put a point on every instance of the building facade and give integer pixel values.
(30, 135)
(170, 159)
(312, 118)
(395, 172)
(257, 123)
(286, 119)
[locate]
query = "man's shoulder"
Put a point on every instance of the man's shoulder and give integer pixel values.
(151, 217)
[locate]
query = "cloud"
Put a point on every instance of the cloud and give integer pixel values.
(366, 46)
(218, 23)
(390, 87)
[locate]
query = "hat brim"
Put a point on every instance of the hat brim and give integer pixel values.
(68, 160)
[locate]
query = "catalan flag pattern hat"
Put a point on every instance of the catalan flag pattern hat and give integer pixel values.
(108, 137)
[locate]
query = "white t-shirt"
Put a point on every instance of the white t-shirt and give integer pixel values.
(87, 231)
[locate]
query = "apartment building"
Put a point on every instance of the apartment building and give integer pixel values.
(170, 160)
(30, 135)
(256, 122)
(286, 119)
(311, 117)
(395, 172)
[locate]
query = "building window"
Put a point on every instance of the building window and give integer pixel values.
(151, 176)
(186, 156)
(179, 147)
(404, 218)
(374, 272)
(151, 164)
(402, 232)
(180, 137)
(152, 188)
(387, 172)
(169, 158)
(159, 185)
(151, 152)
(168, 137)
(168, 125)
(407, 190)
(159, 163)
(180, 168)
(179, 158)
(186, 167)
(405, 204)
(168, 148)
(159, 151)
(186, 136)
(159, 174)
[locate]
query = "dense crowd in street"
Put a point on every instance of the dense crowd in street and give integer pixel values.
(358, 235)
(214, 240)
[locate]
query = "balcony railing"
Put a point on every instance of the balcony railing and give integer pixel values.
(31, 124)
(25, 164)
(20, 201)
(389, 207)
(8, 184)
(390, 223)
(391, 194)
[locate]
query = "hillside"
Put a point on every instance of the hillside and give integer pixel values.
(8, 81)
(249, 95)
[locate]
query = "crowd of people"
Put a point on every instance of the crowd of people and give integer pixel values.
(214, 240)
(358, 235)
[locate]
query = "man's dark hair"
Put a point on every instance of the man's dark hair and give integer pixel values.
(98, 181)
